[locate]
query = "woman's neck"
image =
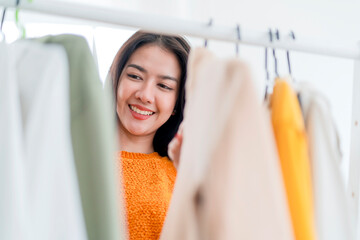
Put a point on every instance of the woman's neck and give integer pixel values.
(132, 143)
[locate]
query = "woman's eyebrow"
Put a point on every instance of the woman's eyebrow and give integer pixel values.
(141, 69)
(168, 77)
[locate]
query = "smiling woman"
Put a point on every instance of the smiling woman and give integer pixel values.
(148, 88)
(148, 76)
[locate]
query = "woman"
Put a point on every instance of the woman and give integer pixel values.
(148, 75)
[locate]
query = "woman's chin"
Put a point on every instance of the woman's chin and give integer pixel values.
(138, 132)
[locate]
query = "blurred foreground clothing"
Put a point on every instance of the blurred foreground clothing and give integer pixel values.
(93, 138)
(229, 183)
(58, 173)
(39, 193)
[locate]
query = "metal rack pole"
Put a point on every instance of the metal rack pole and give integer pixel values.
(167, 25)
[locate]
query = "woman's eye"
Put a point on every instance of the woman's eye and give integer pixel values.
(164, 86)
(134, 76)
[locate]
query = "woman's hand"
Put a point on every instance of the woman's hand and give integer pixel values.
(174, 147)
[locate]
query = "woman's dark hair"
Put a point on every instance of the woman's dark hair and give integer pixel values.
(178, 46)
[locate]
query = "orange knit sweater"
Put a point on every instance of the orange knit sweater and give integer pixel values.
(148, 181)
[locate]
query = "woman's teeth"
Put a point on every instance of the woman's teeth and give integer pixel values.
(135, 109)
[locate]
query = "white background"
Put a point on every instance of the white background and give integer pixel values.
(330, 21)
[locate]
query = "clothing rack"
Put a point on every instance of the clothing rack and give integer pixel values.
(167, 25)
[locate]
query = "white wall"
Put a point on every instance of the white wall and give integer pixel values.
(318, 20)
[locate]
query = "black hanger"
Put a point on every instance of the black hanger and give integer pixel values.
(209, 25)
(292, 35)
(238, 40)
(274, 53)
(2, 22)
(266, 66)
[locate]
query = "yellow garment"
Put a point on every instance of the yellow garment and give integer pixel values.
(291, 143)
(148, 183)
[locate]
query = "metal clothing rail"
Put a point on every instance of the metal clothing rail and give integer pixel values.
(169, 25)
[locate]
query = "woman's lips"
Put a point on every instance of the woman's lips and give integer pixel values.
(140, 116)
(141, 107)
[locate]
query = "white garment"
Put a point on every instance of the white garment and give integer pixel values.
(39, 194)
(229, 183)
(332, 216)
(11, 170)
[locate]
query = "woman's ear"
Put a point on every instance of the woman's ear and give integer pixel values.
(174, 112)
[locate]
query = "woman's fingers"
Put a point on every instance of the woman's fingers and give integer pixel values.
(174, 147)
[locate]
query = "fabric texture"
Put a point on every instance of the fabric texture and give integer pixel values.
(229, 183)
(148, 183)
(93, 138)
(290, 134)
(332, 215)
(39, 193)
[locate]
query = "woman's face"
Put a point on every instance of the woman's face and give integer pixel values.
(147, 90)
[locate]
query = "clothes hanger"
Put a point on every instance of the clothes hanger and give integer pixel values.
(2, 34)
(277, 35)
(266, 66)
(292, 35)
(271, 38)
(209, 25)
(19, 25)
(239, 39)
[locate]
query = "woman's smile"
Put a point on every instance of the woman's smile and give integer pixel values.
(140, 113)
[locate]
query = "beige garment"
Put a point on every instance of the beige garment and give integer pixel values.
(229, 183)
(331, 205)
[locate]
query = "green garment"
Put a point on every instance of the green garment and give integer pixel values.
(93, 132)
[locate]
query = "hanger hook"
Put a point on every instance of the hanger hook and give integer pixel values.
(2, 34)
(273, 50)
(277, 35)
(238, 39)
(266, 65)
(2, 19)
(209, 25)
(20, 26)
(292, 35)
(266, 56)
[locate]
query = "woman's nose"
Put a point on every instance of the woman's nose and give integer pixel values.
(146, 92)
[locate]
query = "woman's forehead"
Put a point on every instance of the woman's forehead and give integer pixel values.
(152, 58)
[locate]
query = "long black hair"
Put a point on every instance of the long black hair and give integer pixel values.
(174, 44)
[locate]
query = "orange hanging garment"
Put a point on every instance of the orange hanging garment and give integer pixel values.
(290, 135)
